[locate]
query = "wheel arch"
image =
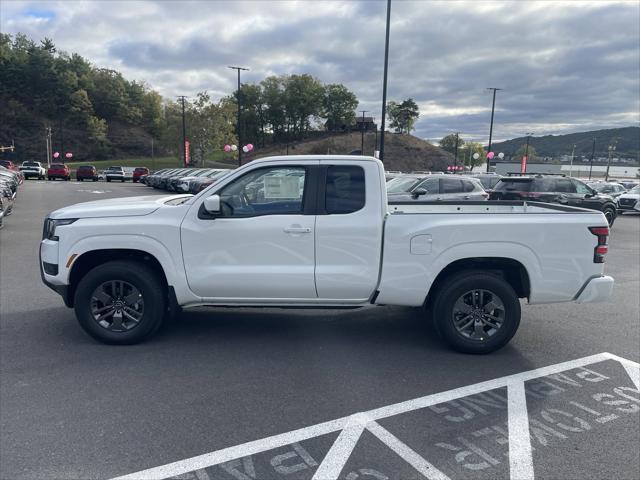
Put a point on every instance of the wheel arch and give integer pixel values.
(93, 258)
(513, 271)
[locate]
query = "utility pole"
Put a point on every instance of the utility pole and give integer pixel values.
(612, 148)
(384, 81)
(593, 152)
(48, 142)
(493, 108)
(184, 133)
(573, 151)
(526, 150)
(455, 158)
(238, 129)
(153, 158)
(362, 133)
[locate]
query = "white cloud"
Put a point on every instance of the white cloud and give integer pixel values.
(564, 66)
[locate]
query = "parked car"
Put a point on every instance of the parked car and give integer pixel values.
(163, 180)
(10, 179)
(628, 201)
(628, 184)
(9, 165)
(114, 173)
(33, 169)
(58, 170)
(488, 180)
(613, 189)
(123, 263)
(86, 172)
(403, 183)
(200, 183)
(7, 197)
(139, 172)
(555, 189)
(443, 188)
(172, 182)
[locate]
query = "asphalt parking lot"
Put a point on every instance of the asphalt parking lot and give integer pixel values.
(360, 394)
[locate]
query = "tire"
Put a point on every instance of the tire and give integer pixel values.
(67, 179)
(122, 181)
(80, 179)
(95, 179)
(610, 213)
(134, 180)
(454, 299)
(108, 179)
(125, 274)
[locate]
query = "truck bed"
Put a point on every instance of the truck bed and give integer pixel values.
(486, 207)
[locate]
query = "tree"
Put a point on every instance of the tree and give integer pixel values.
(521, 151)
(448, 143)
(303, 96)
(467, 152)
(338, 105)
(402, 116)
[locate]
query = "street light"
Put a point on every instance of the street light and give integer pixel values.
(493, 108)
(384, 80)
(573, 151)
(238, 121)
(611, 149)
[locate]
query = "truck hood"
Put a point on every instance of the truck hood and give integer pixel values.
(117, 207)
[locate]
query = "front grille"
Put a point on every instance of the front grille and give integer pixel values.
(627, 202)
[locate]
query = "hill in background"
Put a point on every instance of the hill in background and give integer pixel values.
(402, 152)
(628, 143)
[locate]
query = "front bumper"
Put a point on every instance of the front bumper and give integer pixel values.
(63, 290)
(596, 290)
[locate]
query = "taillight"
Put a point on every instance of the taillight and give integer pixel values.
(603, 246)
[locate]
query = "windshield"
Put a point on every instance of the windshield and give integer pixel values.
(635, 190)
(401, 184)
(30, 164)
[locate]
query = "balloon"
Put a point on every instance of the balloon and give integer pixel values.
(234, 148)
(501, 155)
(56, 154)
(245, 149)
(68, 155)
(250, 146)
(476, 156)
(227, 148)
(490, 155)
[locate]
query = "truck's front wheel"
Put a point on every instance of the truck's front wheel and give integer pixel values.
(120, 302)
(476, 312)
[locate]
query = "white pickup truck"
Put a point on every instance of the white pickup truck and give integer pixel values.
(309, 231)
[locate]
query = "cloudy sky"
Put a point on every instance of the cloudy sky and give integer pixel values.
(564, 66)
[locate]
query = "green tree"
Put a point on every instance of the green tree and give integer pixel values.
(521, 151)
(338, 105)
(467, 152)
(402, 116)
(448, 143)
(303, 96)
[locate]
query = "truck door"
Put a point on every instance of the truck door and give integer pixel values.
(262, 244)
(348, 230)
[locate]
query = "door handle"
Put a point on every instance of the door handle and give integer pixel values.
(467, 197)
(297, 230)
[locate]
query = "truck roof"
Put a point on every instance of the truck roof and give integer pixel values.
(295, 158)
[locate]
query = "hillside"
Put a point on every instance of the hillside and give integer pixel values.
(402, 152)
(556, 145)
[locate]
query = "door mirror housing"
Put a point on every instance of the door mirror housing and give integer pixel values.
(212, 204)
(418, 192)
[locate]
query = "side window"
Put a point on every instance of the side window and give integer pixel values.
(450, 185)
(344, 189)
(564, 185)
(581, 188)
(266, 191)
(468, 186)
(430, 185)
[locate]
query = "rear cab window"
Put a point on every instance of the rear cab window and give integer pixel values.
(344, 189)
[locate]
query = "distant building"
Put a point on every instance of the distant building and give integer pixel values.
(367, 124)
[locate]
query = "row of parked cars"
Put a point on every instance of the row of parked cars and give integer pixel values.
(184, 180)
(31, 169)
(10, 181)
(611, 198)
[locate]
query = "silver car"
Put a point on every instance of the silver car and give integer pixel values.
(445, 188)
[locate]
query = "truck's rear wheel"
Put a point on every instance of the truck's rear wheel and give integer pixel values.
(476, 312)
(120, 302)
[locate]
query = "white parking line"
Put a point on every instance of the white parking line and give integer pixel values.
(351, 428)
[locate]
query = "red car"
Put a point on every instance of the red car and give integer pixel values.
(58, 170)
(86, 172)
(139, 172)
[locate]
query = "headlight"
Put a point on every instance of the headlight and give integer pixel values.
(49, 230)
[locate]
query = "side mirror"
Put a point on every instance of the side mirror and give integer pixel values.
(212, 204)
(418, 192)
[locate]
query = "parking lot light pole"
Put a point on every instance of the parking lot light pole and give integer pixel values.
(238, 130)
(184, 133)
(573, 151)
(593, 152)
(493, 108)
(455, 158)
(384, 80)
(526, 149)
(612, 149)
